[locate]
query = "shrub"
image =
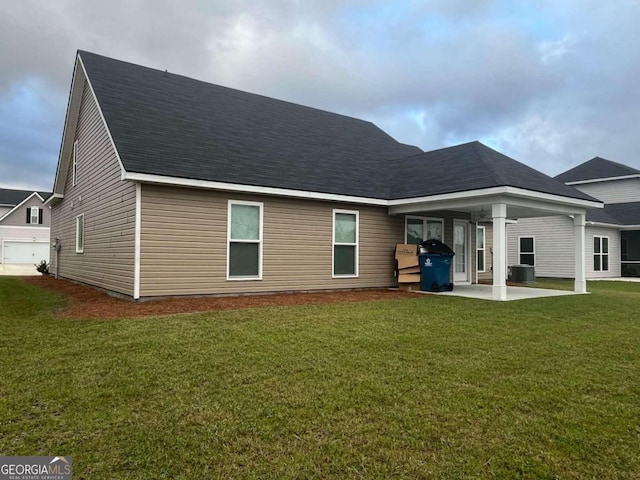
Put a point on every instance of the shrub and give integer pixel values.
(42, 267)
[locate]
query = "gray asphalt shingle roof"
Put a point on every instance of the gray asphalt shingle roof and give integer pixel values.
(170, 125)
(469, 166)
(596, 168)
(617, 214)
(15, 197)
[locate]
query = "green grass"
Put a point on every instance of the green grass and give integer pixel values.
(431, 387)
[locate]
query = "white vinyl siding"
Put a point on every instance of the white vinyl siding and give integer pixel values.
(244, 242)
(345, 243)
(554, 244)
(613, 191)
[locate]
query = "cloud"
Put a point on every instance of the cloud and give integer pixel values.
(547, 83)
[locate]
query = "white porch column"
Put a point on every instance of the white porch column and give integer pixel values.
(580, 253)
(499, 213)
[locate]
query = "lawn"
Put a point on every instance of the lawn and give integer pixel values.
(424, 387)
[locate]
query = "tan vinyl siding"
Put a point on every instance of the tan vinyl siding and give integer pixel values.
(184, 244)
(18, 217)
(613, 191)
(108, 205)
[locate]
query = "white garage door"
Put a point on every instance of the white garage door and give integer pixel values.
(25, 252)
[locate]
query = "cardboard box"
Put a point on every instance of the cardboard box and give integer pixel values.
(409, 270)
(409, 287)
(408, 261)
(406, 250)
(408, 278)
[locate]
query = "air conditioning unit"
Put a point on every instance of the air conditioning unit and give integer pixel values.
(522, 274)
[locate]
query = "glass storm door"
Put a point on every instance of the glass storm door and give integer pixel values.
(461, 249)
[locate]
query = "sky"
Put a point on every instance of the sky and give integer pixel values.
(549, 83)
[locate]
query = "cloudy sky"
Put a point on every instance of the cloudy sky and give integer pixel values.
(550, 83)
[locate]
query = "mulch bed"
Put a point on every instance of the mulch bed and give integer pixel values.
(88, 302)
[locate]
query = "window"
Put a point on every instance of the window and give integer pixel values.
(34, 215)
(600, 254)
(527, 250)
(480, 249)
(74, 161)
(244, 256)
(419, 229)
(630, 245)
(80, 233)
(345, 243)
(414, 231)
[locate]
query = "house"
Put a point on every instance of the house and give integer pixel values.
(613, 233)
(24, 228)
(167, 185)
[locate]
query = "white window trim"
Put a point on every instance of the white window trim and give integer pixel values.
(424, 225)
(520, 252)
(37, 210)
(259, 241)
(484, 248)
(84, 234)
(356, 244)
(602, 254)
(74, 163)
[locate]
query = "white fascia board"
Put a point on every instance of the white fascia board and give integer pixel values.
(104, 122)
(510, 195)
(513, 191)
(613, 225)
(484, 192)
(471, 197)
(233, 187)
(602, 224)
(20, 204)
(605, 179)
(29, 227)
(53, 197)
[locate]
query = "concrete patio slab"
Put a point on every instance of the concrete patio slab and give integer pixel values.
(485, 292)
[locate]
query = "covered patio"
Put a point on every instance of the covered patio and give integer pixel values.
(484, 185)
(498, 205)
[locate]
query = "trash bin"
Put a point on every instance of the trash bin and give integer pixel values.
(435, 266)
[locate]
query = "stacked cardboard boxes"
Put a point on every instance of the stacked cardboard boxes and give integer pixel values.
(408, 266)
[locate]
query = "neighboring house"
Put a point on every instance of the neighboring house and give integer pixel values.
(613, 233)
(24, 227)
(171, 186)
